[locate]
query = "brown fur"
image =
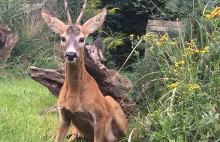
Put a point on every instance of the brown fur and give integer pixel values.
(95, 117)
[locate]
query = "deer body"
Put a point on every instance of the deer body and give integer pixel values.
(95, 117)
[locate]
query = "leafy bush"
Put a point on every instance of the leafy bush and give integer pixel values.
(12, 12)
(189, 12)
(36, 44)
(188, 8)
(180, 92)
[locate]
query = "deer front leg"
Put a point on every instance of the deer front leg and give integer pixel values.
(63, 126)
(99, 130)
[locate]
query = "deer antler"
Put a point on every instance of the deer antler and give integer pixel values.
(78, 22)
(67, 13)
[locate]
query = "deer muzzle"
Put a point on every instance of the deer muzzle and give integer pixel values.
(71, 56)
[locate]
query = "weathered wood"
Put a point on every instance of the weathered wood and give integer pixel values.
(9, 45)
(162, 26)
(7, 41)
(51, 78)
(109, 81)
(4, 31)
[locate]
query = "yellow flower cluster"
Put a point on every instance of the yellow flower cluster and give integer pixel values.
(205, 50)
(213, 37)
(154, 39)
(190, 50)
(131, 35)
(173, 43)
(192, 42)
(193, 87)
(164, 38)
(151, 48)
(173, 85)
(178, 98)
(215, 13)
(150, 37)
(176, 64)
(112, 11)
(158, 43)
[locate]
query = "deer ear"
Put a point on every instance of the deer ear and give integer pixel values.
(94, 23)
(53, 23)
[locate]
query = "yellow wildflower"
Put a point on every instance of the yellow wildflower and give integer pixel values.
(158, 44)
(176, 64)
(193, 40)
(196, 51)
(131, 35)
(208, 16)
(164, 38)
(173, 43)
(174, 85)
(187, 43)
(182, 62)
(204, 51)
(153, 36)
(193, 87)
(190, 50)
(151, 48)
(113, 10)
(215, 13)
(207, 47)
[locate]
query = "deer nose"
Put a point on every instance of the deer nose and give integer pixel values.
(71, 56)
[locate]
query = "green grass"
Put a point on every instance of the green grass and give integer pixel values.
(21, 100)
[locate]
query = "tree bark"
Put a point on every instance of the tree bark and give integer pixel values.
(7, 41)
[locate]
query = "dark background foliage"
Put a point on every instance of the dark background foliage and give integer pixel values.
(130, 18)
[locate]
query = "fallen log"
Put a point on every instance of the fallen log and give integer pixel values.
(109, 81)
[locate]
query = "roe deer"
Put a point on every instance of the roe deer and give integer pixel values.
(93, 116)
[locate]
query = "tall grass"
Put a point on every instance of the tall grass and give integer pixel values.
(32, 24)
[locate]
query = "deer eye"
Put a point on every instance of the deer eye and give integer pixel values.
(81, 40)
(63, 39)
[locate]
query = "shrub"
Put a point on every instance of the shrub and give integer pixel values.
(36, 45)
(180, 92)
(12, 12)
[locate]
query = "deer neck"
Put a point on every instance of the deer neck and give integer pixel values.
(76, 74)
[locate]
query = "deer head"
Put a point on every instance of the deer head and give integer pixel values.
(73, 35)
